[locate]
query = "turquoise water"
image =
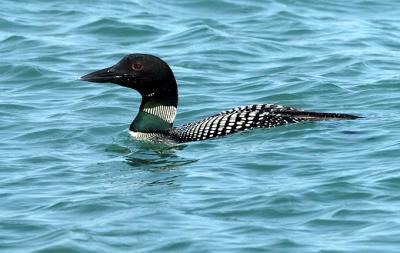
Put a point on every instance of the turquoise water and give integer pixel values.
(72, 180)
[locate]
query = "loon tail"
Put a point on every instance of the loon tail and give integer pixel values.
(319, 116)
(248, 117)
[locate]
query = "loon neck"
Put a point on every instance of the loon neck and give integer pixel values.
(157, 112)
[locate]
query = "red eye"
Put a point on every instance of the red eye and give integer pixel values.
(137, 66)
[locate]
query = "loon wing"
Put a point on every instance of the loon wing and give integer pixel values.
(248, 117)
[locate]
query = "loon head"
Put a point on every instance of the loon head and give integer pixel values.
(154, 80)
(148, 74)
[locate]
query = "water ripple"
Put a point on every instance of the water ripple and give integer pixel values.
(72, 180)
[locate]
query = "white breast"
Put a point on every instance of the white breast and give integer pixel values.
(142, 136)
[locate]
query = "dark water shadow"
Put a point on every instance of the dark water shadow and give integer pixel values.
(150, 163)
(156, 157)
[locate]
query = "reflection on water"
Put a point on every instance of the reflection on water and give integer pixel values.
(145, 163)
(165, 181)
(156, 159)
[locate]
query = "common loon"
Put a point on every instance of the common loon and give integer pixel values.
(154, 80)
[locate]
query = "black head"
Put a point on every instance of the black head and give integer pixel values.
(148, 74)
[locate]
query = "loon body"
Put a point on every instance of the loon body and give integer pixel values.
(155, 81)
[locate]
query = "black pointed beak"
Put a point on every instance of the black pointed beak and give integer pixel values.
(107, 75)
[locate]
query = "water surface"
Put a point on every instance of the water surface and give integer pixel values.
(72, 180)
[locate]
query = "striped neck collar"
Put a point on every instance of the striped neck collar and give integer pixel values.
(154, 117)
